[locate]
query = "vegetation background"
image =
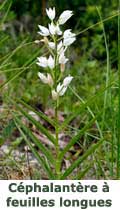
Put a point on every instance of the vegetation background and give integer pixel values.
(93, 95)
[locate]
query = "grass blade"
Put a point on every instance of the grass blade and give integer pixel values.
(37, 142)
(76, 138)
(39, 113)
(83, 107)
(81, 159)
(37, 124)
(36, 154)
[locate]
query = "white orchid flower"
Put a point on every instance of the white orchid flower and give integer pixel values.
(42, 61)
(51, 62)
(64, 17)
(51, 13)
(68, 34)
(61, 89)
(68, 41)
(43, 31)
(43, 78)
(68, 37)
(54, 29)
(51, 45)
(46, 79)
(67, 81)
(62, 58)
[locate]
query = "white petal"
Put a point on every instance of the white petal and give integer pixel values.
(51, 62)
(43, 78)
(59, 87)
(43, 31)
(68, 34)
(42, 61)
(62, 59)
(64, 17)
(51, 45)
(52, 29)
(51, 13)
(67, 81)
(68, 41)
(62, 92)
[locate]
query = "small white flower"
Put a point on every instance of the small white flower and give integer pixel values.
(62, 58)
(68, 41)
(51, 62)
(51, 45)
(61, 89)
(67, 81)
(68, 34)
(43, 78)
(62, 92)
(42, 61)
(46, 79)
(68, 37)
(64, 17)
(51, 13)
(43, 31)
(60, 48)
(54, 29)
(54, 95)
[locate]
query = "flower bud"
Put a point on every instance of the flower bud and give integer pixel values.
(62, 67)
(54, 95)
(49, 80)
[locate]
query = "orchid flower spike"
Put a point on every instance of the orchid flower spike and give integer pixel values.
(56, 61)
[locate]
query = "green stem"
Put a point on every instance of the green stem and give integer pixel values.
(118, 123)
(57, 142)
(58, 163)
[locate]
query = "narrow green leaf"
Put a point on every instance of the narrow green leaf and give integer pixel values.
(76, 138)
(36, 154)
(83, 173)
(39, 113)
(37, 124)
(37, 142)
(76, 163)
(12, 78)
(6, 13)
(3, 4)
